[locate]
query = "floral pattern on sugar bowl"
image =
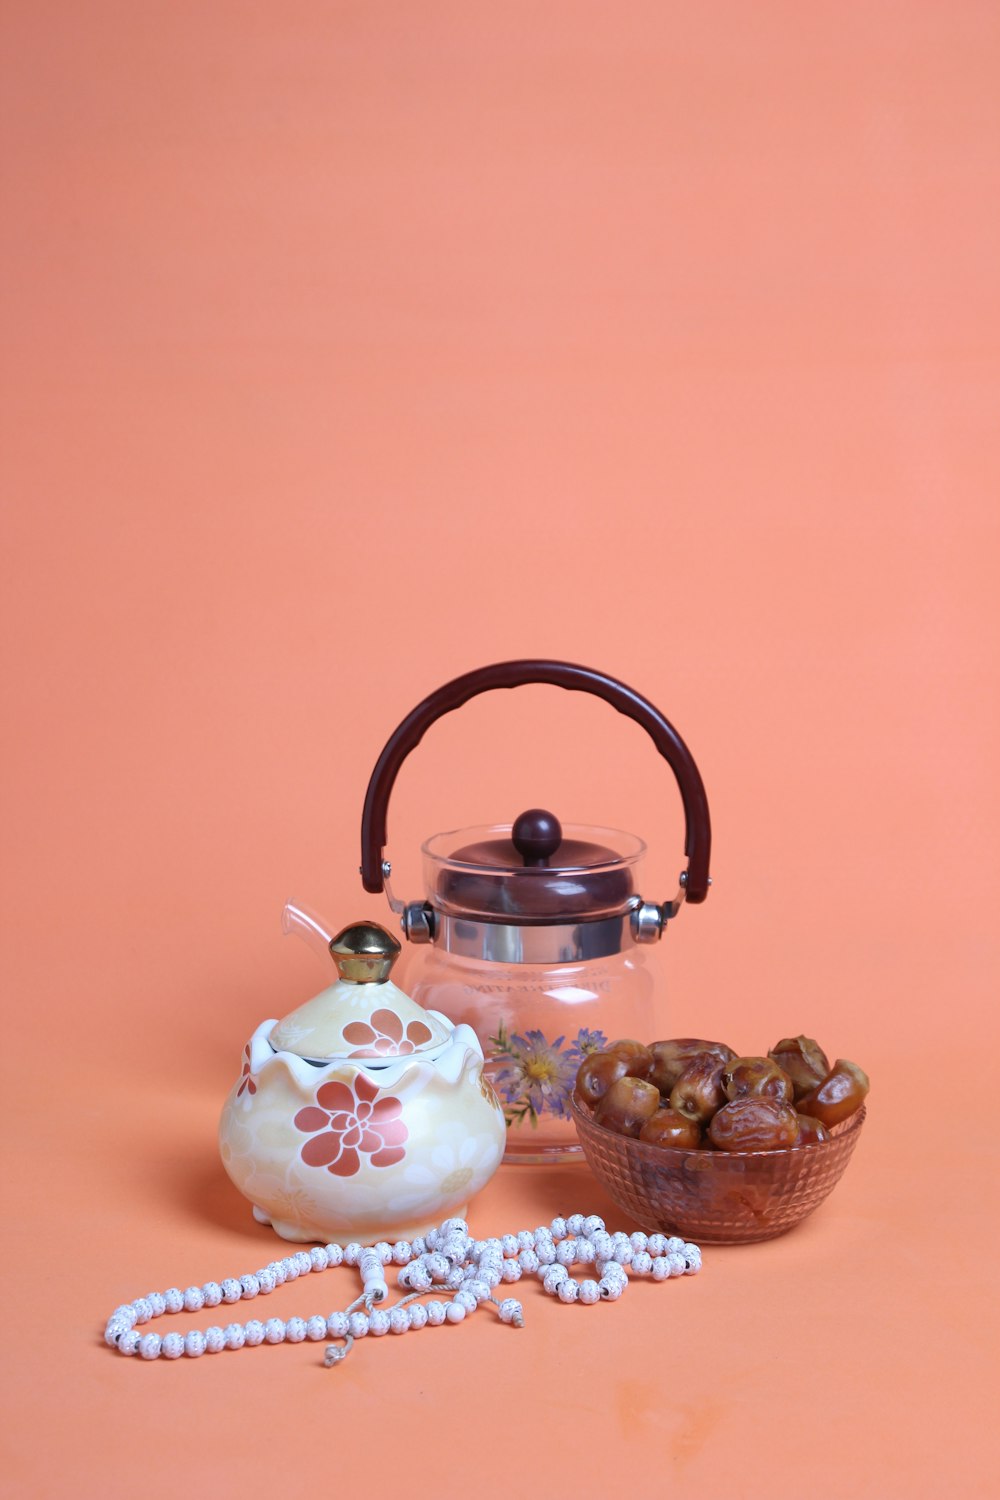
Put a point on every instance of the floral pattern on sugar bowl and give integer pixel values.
(352, 1123)
(348, 1147)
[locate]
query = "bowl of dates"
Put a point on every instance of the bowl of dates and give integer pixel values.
(692, 1138)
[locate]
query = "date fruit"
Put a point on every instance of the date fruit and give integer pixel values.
(597, 1073)
(754, 1123)
(811, 1130)
(698, 1091)
(670, 1058)
(636, 1054)
(698, 1095)
(756, 1077)
(627, 1105)
(842, 1091)
(803, 1060)
(668, 1128)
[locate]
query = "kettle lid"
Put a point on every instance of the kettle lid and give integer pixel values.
(363, 1016)
(532, 871)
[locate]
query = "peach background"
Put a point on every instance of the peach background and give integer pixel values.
(347, 347)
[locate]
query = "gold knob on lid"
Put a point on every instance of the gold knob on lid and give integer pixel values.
(364, 953)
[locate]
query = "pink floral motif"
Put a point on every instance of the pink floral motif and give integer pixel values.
(384, 1036)
(346, 1124)
(247, 1084)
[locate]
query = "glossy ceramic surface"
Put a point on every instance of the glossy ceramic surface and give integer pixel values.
(359, 1150)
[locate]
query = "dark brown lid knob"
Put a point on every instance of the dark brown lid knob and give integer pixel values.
(536, 836)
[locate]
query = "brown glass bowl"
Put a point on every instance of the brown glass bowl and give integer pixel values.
(715, 1197)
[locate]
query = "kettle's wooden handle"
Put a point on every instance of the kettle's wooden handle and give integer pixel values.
(509, 674)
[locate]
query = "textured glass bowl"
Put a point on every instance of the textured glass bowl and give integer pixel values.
(716, 1197)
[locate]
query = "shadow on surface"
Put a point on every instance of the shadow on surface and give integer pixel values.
(566, 1189)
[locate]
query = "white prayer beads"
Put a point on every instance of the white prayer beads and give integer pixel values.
(446, 1259)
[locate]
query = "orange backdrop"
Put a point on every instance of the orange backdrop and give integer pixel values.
(350, 346)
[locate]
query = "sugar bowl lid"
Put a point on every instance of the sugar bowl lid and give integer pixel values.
(363, 1016)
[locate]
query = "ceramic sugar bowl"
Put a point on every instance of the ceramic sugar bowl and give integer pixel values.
(361, 1116)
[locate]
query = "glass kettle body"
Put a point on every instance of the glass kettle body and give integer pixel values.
(536, 1023)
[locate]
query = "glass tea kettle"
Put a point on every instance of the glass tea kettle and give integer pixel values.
(532, 932)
